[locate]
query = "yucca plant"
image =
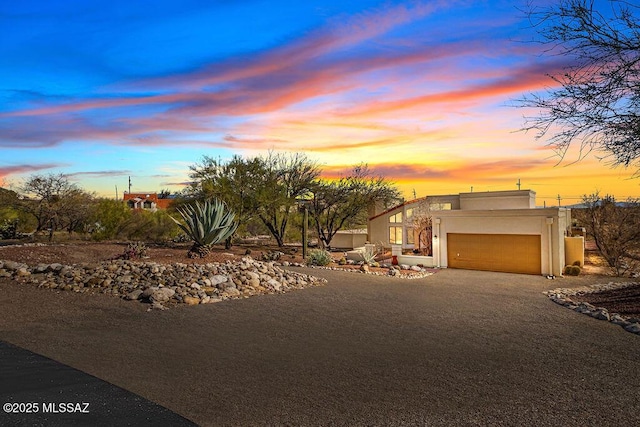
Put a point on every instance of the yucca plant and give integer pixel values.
(206, 224)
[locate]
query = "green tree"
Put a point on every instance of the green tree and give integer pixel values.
(108, 218)
(595, 100)
(345, 202)
(235, 182)
(266, 188)
(284, 179)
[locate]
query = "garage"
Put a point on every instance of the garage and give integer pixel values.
(510, 253)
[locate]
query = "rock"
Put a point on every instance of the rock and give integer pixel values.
(134, 295)
(601, 314)
(231, 292)
(275, 285)
(191, 300)
(364, 268)
(157, 306)
(41, 268)
(217, 279)
(393, 272)
(634, 328)
(22, 271)
(415, 268)
(11, 265)
(160, 284)
(617, 319)
(161, 295)
(404, 267)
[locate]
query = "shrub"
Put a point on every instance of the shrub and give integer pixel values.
(272, 256)
(8, 229)
(319, 257)
(572, 270)
(134, 250)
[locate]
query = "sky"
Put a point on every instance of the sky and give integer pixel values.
(424, 92)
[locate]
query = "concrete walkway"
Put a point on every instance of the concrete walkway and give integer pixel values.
(456, 348)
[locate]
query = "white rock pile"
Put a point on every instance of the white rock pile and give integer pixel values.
(568, 297)
(164, 284)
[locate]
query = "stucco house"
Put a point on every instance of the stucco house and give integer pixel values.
(495, 231)
(146, 201)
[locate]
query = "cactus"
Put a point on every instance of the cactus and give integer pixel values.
(206, 224)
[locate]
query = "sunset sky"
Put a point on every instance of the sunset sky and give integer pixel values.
(422, 91)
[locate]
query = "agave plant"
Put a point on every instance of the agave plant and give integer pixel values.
(206, 224)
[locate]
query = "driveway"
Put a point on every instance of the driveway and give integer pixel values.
(457, 348)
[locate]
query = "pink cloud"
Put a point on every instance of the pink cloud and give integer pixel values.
(6, 171)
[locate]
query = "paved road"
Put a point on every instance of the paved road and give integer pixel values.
(456, 348)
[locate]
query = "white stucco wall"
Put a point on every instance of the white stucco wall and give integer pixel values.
(517, 199)
(348, 239)
(513, 221)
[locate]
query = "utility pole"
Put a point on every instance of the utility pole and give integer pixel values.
(559, 198)
(518, 183)
(116, 192)
(129, 184)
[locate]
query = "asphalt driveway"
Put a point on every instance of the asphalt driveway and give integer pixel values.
(457, 348)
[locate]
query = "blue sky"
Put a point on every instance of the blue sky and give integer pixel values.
(422, 91)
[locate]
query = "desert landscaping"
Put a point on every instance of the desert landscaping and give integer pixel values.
(346, 348)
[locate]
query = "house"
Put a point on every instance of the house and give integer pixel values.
(146, 201)
(495, 231)
(349, 239)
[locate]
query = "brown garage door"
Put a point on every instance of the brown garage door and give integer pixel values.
(511, 253)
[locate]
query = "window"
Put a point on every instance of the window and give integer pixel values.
(410, 236)
(440, 206)
(396, 219)
(147, 204)
(395, 235)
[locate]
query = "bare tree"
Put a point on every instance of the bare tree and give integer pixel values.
(615, 228)
(595, 101)
(54, 201)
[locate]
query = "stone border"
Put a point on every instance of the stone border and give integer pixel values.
(563, 296)
(393, 272)
(162, 284)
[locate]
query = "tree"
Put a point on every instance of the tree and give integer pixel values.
(615, 228)
(345, 202)
(235, 182)
(54, 201)
(75, 210)
(284, 178)
(108, 217)
(596, 99)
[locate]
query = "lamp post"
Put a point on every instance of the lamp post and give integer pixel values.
(305, 226)
(303, 203)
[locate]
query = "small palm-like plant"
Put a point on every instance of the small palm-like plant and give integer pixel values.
(206, 224)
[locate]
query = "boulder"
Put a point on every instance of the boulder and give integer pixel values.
(161, 295)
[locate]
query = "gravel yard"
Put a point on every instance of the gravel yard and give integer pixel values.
(456, 348)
